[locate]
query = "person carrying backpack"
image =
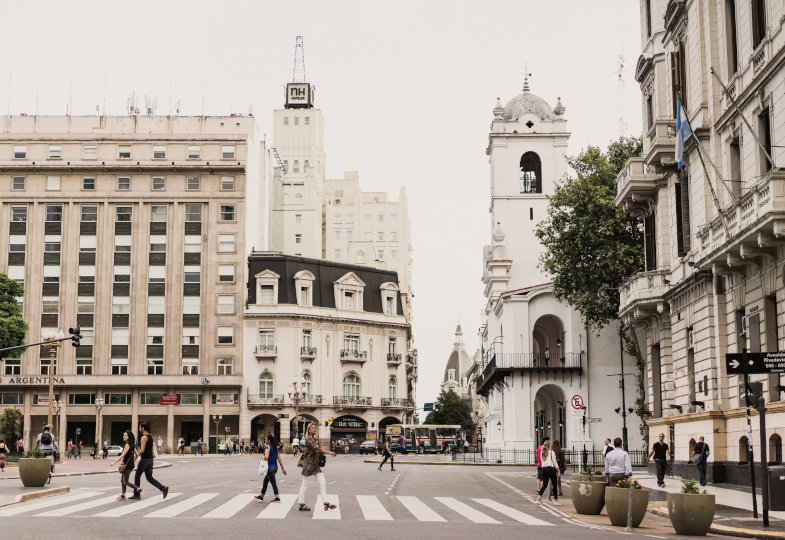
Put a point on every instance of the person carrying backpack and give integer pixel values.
(46, 442)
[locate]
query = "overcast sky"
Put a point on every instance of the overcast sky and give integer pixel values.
(407, 90)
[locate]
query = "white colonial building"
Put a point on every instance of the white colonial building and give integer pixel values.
(537, 353)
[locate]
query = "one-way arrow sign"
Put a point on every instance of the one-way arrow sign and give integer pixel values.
(768, 362)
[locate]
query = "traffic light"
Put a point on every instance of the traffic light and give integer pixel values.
(75, 335)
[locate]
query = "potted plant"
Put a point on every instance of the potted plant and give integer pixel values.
(617, 501)
(588, 491)
(34, 471)
(691, 512)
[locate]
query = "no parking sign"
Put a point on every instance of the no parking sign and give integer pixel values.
(577, 402)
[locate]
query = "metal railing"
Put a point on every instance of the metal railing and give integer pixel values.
(313, 399)
(308, 352)
(266, 350)
(258, 399)
(534, 361)
(358, 401)
(352, 354)
(394, 358)
(396, 402)
(595, 458)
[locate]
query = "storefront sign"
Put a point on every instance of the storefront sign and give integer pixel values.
(224, 399)
(170, 400)
(349, 423)
(43, 399)
(30, 380)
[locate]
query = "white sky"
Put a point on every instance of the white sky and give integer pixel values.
(407, 89)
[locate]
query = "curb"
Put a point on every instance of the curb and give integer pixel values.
(662, 511)
(457, 463)
(44, 493)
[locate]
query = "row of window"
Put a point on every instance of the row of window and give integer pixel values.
(90, 151)
(360, 256)
(123, 214)
(123, 183)
(306, 119)
(351, 342)
(145, 398)
(393, 236)
(119, 366)
(351, 386)
(349, 218)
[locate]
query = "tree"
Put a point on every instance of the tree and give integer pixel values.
(12, 326)
(451, 409)
(11, 425)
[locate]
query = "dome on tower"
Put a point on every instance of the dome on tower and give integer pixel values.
(526, 102)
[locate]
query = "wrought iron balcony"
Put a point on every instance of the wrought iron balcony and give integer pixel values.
(394, 359)
(402, 403)
(642, 294)
(351, 355)
(502, 364)
(311, 401)
(352, 401)
(308, 352)
(265, 400)
(266, 351)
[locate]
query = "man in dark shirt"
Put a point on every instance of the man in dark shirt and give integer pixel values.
(701, 451)
(661, 452)
(145, 466)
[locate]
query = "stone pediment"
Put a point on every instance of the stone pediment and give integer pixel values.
(642, 67)
(267, 274)
(673, 13)
(350, 279)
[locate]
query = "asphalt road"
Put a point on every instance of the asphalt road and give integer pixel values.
(211, 497)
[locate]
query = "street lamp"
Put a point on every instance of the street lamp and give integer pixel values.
(297, 394)
(217, 419)
(52, 334)
(499, 425)
(99, 404)
(58, 406)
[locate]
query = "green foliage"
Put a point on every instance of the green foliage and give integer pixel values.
(453, 409)
(690, 486)
(591, 471)
(36, 453)
(11, 425)
(12, 326)
(628, 483)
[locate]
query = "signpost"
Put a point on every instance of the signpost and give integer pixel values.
(755, 363)
(590, 420)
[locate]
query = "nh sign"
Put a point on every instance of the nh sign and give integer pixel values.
(768, 362)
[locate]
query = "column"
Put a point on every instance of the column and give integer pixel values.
(206, 416)
(28, 437)
(170, 427)
(244, 419)
(135, 410)
(62, 423)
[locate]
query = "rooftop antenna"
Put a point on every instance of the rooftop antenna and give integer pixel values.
(130, 104)
(620, 73)
(526, 76)
(298, 71)
(150, 105)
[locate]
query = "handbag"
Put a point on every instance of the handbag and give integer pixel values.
(121, 469)
(322, 460)
(263, 466)
(696, 459)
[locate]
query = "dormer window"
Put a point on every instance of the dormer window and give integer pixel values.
(267, 288)
(451, 375)
(349, 292)
(348, 300)
(303, 283)
(389, 291)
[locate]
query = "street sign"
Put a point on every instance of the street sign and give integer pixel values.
(577, 402)
(757, 362)
(594, 419)
(283, 415)
(427, 407)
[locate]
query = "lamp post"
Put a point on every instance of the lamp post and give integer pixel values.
(217, 419)
(99, 404)
(52, 335)
(297, 394)
(57, 407)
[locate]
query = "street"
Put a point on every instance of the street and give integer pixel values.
(213, 496)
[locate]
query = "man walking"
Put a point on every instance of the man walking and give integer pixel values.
(700, 456)
(146, 460)
(661, 452)
(160, 445)
(105, 449)
(69, 449)
(617, 464)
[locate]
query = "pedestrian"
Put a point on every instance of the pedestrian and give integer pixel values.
(227, 446)
(561, 461)
(700, 455)
(20, 446)
(617, 464)
(3, 450)
(180, 445)
(608, 448)
(199, 442)
(127, 458)
(79, 449)
(296, 445)
(146, 460)
(465, 446)
(661, 452)
(160, 445)
(550, 473)
(539, 463)
(69, 449)
(48, 445)
(311, 469)
(387, 453)
(105, 449)
(547, 356)
(273, 459)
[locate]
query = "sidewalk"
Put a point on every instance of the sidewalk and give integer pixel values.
(14, 493)
(72, 467)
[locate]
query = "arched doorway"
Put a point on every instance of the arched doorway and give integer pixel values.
(386, 421)
(347, 433)
(547, 340)
(549, 415)
(302, 422)
(264, 424)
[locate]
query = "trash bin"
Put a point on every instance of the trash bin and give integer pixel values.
(777, 488)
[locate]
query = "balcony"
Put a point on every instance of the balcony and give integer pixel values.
(259, 400)
(352, 356)
(636, 190)
(352, 402)
(662, 144)
(266, 351)
(311, 401)
(307, 353)
(503, 364)
(753, 222)
(397, 403)
(642, 295)
(394, 359)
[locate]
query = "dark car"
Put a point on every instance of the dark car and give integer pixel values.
(368, 447)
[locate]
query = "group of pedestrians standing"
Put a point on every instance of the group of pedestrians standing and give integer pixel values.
(73, 450)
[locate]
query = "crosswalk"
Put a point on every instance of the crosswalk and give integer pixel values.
(213, 505)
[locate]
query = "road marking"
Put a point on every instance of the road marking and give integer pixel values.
(230, 507)
(419, 509)
(79, 507)
(511, 512)
(130, 507)
(372, 508)
(465, 510)
(279, 510)
(320, 513)
(182, 506)
(15, 509)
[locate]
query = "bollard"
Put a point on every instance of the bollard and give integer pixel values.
(630, 504)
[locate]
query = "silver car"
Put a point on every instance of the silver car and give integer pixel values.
(114, 450)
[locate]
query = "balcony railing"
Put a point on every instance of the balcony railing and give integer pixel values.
(352, 401)
(307, 352)
(353, 356)
(311, 401)
(397, 402)
(635, 189)
(265, 400)
(643, 291)
(266, 351)
(394, 359)
(503, 363)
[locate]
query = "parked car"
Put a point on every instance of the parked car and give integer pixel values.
(114, 450)
(368, 447)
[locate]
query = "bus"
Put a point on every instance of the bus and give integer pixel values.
(418, 438)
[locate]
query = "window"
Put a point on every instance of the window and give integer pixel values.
(227, 183)
(298, 238)
(266, 297)
(225, 335)
(85, 304)
(12, 398)
(380, 255)
(193, 213)
(191, 336)
(266, 385)
(18, 183)
(296, 120)
(54, 212)
(307, 384)
(361, 257)
(730, 37)
(393, 253)
(286, 120)
(367, 237)
(155, 366)
(337, 254)
(679, 77)
(306, 339)
(81, 399)
(380, 236)
(150, 398)
(391, 345)
(190, 366)
(84, 366)
(367, 219)
(19, 214)
(89, 212)
(226, 273)
(296, 163)
(159, 151)
(20, 151)
(17, 242)
(351, 343)
(12, 366)
(758, 22)
(159, 183)
(649, 111)
(267, 339)
(764, 134)
(224, 366)
(349, 235)
(44, 365)
(123, 183)
(306, 166)
(191, 398)
(194, 152)
(158, 213)
(351, 386)
(119, 366)
(88, 183)
(349, 218)
(307, 120)
(648, 17)
(226, 304)
(52, 183)
(123, 214)
(89, 151)
(531, 173)
(348, 300)
(55, 151)
(380, 217)
(682, 197)
(120, 306)
(394, 236)
(337, 218)
(734, 154)
(298, 218)
(193, 183)
(157, 243)
(225, 243)
(123, 151)
(191, 305)
(226, 213)
(392, 388)
(192, 274)
(193, 244)
(650, 241)
(156, 305)
(117, 399)
(227, 152)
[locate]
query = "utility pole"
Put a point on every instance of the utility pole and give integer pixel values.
(623, 398)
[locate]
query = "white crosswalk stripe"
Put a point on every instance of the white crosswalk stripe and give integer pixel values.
(372, 508)
(182, 506)
(320, 513)
(465, 510)
(15, 509)
(134, 506)
(79, 507)
(278, 510)
(230, 507)
(517, 515)
(419, 509)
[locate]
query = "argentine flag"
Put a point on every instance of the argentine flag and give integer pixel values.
(682, 131)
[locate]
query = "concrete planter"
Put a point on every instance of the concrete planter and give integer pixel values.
(691, 513)
(589, 478)
(616, 500)
(34, 472)
(588, 497)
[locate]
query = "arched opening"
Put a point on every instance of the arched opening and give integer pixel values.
(302, 424)
(547, 341)
(742, 449)
(531, 173)
(264, 424)
(347, 433)
(775, 449)
(549, 415)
